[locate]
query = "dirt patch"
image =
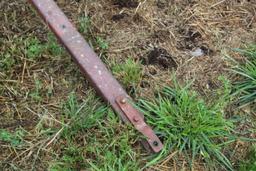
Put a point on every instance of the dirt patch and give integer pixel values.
(162, 4)
(206, 50)
(189, 39)
(160, 57)
(17, 124)
(130, 30)
(118, 17)
(137, 18)
(192, 36)
(126, 3)
(192, 39)
(161, 35)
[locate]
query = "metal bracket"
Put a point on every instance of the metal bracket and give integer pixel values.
(93, 68)
(136, 118)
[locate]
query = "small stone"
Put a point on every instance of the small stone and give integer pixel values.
(198, 52)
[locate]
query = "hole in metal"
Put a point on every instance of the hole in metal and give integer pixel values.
(155, 143)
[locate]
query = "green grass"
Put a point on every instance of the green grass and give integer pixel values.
(94, 137)
(84, 24)
(249, 51)
(31, 47)
(81, 116)
(10, 54)
(35, 94)
(6, 61)
(14, 139)
(116, 151)
(249, 164)
(34, 48)
(190, 126)
(102, 44)
(130, 72)
(96, 42)
(246, 87)
(52, 45)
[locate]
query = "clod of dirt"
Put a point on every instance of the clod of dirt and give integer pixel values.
(160, 57)
(193, 36)
(118, 17)
(193, 41)
(206, 50)
(126, 3)
(162, 4)
(190, 39)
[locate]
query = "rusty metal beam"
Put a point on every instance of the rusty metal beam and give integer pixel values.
(94, 69)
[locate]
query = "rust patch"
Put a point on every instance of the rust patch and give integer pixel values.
(94, 69)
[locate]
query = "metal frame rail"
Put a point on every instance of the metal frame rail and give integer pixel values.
(94, 69)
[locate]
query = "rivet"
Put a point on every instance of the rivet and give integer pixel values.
(136, 119)
(123, 101)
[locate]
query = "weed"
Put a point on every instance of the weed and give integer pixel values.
(101, 43)
(250, 163)
(73, 155)
(188, 125)
(117, 155)
(14, 139)
(81, 116)
(113, 146)
(49, 91)
(10, 51)
(53, 46)
(95, 42)
(223, 97)
(6, 61)
(71, 106)
(246, 88)
(105, 145)
(130, 72)
(34, 48)
(84, 24)
(249, 51)
(35, 94)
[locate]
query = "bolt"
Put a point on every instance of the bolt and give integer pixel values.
(123, 101)
(136, 119)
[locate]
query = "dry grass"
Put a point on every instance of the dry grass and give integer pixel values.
(32, 91)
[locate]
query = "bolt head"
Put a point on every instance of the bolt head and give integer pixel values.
(123, 101)
(136, 119)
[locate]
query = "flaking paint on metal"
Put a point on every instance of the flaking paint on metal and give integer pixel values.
(89, 63)
(81, 53)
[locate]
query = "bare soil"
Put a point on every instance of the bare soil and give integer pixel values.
(160, 33)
